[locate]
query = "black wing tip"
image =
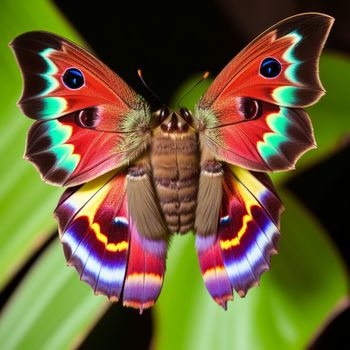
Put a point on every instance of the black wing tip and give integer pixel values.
(322, 22)
(32, 34)
(323, 17)
(24, 36)
(46, 38)
(298, 19)
(51, 177)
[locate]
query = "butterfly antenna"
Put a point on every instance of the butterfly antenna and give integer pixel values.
(139, 73)
(204, 76)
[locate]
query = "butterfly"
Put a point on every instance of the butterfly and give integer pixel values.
(135, 177)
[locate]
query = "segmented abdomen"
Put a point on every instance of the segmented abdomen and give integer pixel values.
(175, 165)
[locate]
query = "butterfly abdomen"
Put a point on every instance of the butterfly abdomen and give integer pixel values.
(175, 166)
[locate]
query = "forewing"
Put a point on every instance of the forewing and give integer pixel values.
(243, 95)
(273, 141)
(74, 121)
(247, 236)
(44, 57)
(101, 241)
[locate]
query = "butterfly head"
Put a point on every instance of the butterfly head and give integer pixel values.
(174, 122)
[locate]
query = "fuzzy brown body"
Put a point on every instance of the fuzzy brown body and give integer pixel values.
(175, 169)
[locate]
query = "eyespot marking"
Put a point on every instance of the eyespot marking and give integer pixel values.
(270, 68)
(250, 108)
(73, 78)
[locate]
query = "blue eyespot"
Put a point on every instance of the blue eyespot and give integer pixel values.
(270, 68)
(73, 78)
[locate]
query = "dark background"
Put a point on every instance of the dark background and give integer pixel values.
(171, 41)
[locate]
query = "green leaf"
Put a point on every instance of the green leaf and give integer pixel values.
(51, 309)
(26, 203)
(306, 282)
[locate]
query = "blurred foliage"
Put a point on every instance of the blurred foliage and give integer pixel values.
(52, 309)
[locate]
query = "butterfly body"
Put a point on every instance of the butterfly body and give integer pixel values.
(175, 168)
(135, 178)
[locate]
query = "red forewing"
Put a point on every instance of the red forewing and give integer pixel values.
(44, 59)
(296, 44)
(91, 121)
(278, 71)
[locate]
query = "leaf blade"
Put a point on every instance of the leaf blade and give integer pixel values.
(51, 308)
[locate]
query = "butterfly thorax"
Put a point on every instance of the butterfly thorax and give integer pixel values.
(175, 168)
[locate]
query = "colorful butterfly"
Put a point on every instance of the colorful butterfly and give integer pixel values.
(135, 177)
